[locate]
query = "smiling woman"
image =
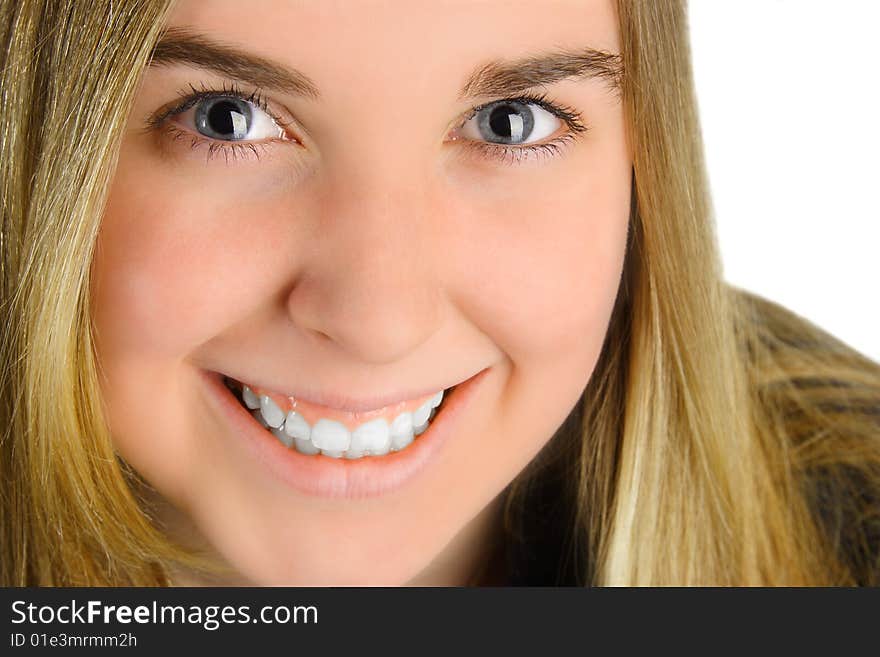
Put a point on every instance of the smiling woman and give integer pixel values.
(317, 300)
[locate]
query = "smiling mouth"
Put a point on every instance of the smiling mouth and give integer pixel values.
(311, 432)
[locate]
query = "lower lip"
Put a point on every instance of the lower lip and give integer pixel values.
(324, 476)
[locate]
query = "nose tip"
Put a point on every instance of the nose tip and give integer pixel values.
(378, 315)
(369, 287)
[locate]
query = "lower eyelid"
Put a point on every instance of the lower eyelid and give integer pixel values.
(172, 136)
(515, 154)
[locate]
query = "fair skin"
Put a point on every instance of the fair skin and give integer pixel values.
(365, 252)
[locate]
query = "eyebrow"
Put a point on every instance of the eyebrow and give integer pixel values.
(181, 45)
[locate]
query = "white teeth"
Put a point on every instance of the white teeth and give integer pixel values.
(436, 399)
(305, 446)
(401, 441)
(402, 431)
(296, 426)
(286, 440)
(273, 415)
(382, 451)
(373, 437)
(420, 416)
(259, 418)
(250, 399)
(402, 423)
(330, 435)
(419, 430)
(332, 438)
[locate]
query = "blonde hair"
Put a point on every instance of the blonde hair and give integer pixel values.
(693, 457)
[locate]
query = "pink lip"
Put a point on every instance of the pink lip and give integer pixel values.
(342, 403)
(324, 476)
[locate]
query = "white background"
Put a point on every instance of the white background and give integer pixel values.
(788, 99)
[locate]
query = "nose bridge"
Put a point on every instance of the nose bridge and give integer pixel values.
(369, 285)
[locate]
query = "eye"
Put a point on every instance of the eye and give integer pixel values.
(511, 122)
(241, 125)
(228, 118)
(511, 130)
(225, 120)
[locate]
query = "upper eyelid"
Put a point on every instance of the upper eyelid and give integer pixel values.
(569, 115)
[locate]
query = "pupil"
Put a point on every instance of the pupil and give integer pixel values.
(224, 119)
(500, 120)
(508, 123)
(221, 117)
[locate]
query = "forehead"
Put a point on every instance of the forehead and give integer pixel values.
(425, 43)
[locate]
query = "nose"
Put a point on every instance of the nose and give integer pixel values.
(369, 284)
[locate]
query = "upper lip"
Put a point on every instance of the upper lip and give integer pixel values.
(346, 403)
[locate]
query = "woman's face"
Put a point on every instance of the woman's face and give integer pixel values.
(349, 237)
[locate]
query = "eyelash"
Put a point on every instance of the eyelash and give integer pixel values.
(502, 153)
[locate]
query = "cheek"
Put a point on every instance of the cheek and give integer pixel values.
(167, 276)
(170, 270)
(551, 262)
